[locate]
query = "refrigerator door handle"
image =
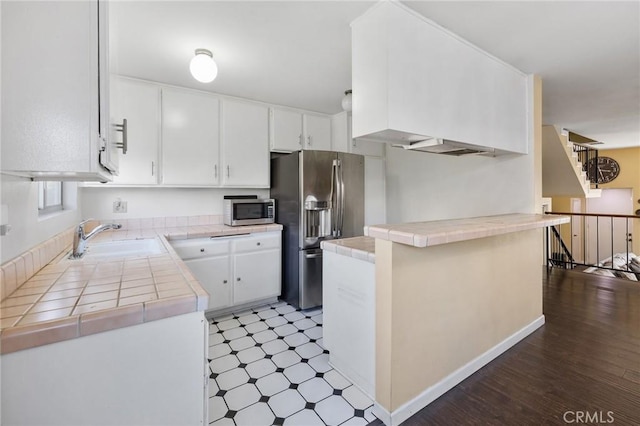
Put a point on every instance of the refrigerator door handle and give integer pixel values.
(334, 202)
(341, 177)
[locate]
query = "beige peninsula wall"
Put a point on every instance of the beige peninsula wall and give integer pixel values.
(440, 307)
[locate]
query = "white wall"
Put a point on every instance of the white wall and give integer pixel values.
(422, 186)
(154, 202)
(20, 195)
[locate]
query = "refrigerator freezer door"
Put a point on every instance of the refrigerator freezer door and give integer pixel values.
(310, 262)
(352, 173)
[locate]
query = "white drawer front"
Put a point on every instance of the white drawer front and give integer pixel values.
(259, 241)
(201, 247)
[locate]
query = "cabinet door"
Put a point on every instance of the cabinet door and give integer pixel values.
(256, 275)
(286, 130)
(109, 157)
(341, 138)
(50, 92)
(245, 144)
(317, 131)
(190, 138)
(139, 104)
(213, 275)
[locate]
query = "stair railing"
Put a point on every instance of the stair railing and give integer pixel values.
(589, 159)
(559, 254)
(600, 236)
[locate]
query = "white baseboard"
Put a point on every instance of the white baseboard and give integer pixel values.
(369, 389)
(432, 393)
(239, 308)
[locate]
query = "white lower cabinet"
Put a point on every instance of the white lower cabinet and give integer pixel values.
(349, 317)
(152, 372)
(257, 275)
(213, 274)
(235, 270)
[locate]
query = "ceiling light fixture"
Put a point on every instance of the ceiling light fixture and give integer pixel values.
(347, 101)
(203, 67)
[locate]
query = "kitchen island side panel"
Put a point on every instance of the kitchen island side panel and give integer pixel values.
(440, 308)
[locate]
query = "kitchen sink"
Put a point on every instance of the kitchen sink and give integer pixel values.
(124, 248)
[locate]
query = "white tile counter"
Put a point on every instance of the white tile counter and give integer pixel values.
(363, 248)
(426, 234)
(66, 299)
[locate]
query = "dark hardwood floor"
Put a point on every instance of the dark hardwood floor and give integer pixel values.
(581, 367)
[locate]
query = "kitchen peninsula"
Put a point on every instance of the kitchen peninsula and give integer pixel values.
(128, 330)
(450, 296)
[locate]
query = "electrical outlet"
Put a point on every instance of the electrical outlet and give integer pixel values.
(119, 206)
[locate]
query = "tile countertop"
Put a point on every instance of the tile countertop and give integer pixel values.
(363, 248)
(425, 234)
(67, 299)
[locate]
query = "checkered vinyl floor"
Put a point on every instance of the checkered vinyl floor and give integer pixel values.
(269, 367)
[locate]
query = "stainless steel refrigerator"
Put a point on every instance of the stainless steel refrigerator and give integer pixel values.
(319, 196)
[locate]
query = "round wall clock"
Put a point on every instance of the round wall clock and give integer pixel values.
(606, 170)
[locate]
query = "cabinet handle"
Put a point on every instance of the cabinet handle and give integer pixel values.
(215, 170)
(238, 278)
(201, 250)
(153, 168)
(123, 129)
(300, 139)
(224, 281)
(258, 243)
(309, 140)
(227, 171)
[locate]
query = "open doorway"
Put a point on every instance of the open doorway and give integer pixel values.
(577, 231)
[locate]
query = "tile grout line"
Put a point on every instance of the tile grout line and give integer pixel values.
(253, 379)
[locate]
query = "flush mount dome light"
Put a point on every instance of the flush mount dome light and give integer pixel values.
(203, 68)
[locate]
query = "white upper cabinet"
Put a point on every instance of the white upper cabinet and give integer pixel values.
(317, 132)
(286, 130)
(342, 141)
(54, 121)
(245, 144)
(190, 138)
(412, 79)
(293, 130)
(138, 103)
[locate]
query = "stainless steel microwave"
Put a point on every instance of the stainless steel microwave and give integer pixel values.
(251, 211)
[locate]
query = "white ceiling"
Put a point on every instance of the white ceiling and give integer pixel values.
(297, 53)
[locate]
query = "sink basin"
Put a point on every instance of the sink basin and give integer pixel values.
(124, 248)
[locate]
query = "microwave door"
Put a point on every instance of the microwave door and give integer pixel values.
(249, 212)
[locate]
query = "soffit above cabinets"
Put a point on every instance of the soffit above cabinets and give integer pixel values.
(414, 81)
(297, 53)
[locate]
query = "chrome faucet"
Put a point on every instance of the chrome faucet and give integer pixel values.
(80, 238)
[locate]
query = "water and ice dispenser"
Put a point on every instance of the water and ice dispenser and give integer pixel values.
(317, 218)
